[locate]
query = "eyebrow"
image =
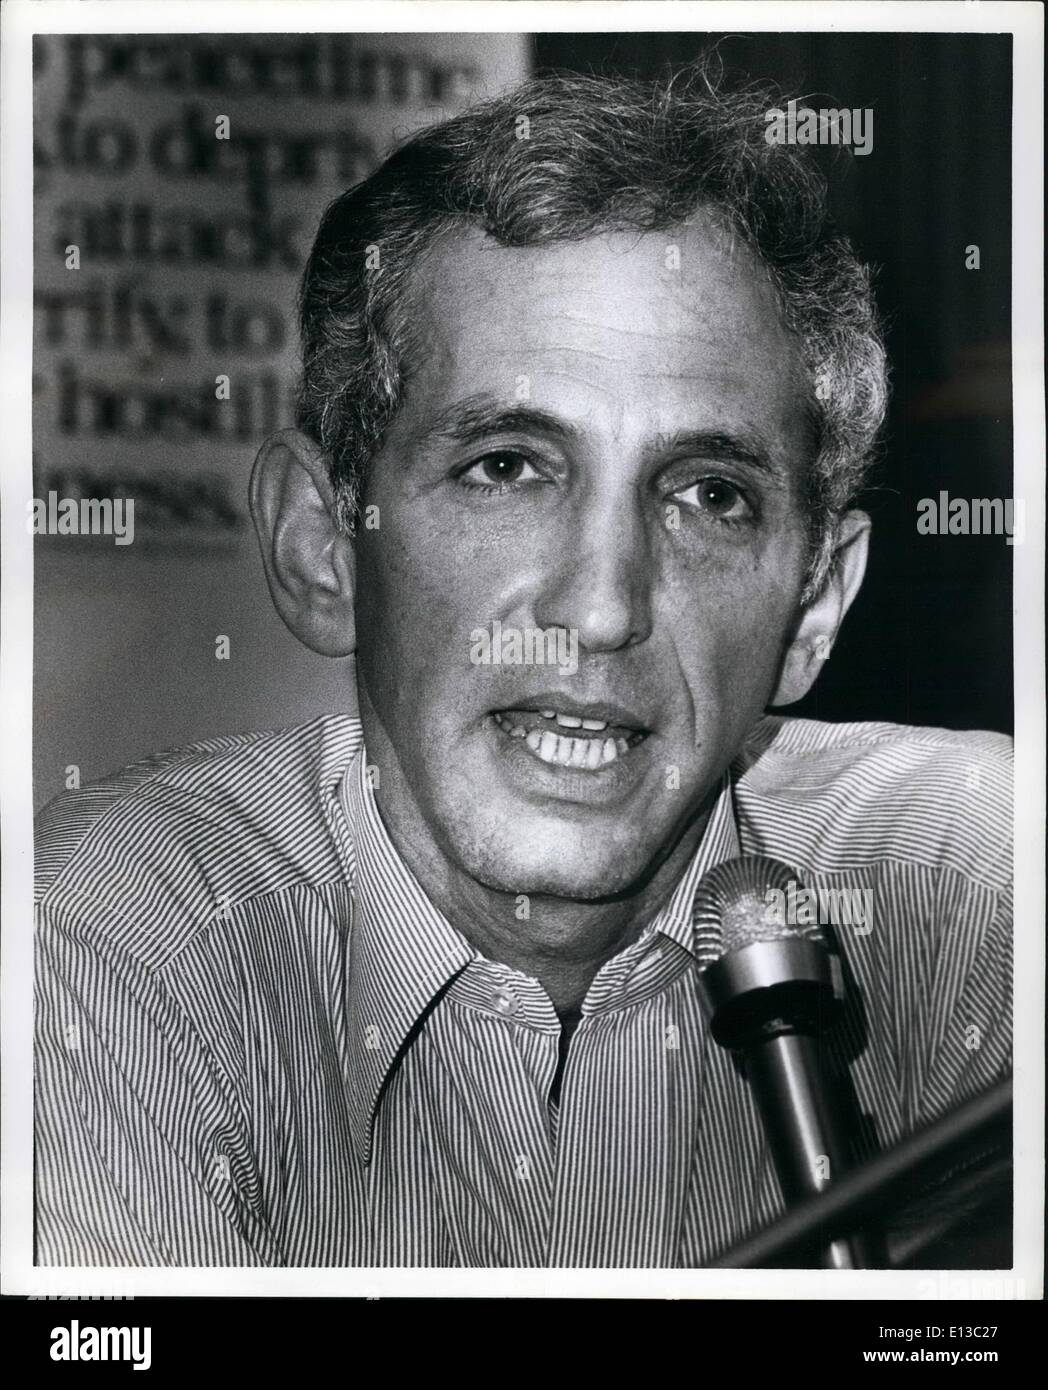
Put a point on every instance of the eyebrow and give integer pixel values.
(738, 447)
(479, 417)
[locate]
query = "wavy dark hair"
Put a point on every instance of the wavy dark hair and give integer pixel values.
(563, 157)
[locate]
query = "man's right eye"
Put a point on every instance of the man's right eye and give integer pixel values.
(499, 470)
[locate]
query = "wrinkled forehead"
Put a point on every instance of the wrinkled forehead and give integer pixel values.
(631, 328)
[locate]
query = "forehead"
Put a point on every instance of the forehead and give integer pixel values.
(629, 331)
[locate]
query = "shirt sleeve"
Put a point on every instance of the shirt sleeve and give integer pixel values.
(140, 1156)
(974, 1052)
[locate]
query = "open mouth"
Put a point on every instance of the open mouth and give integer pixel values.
(586, 740)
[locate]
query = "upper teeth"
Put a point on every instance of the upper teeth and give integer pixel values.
(574, 721)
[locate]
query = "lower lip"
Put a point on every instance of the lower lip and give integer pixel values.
(601, 784)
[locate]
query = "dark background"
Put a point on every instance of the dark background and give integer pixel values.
(929, 640)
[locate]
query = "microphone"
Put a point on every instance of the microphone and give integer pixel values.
(770, 991)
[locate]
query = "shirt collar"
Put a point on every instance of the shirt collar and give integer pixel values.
(404, 952)
(720, 841)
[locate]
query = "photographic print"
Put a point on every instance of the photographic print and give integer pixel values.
(525, 527)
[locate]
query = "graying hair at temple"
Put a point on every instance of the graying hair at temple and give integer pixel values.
(595, 154)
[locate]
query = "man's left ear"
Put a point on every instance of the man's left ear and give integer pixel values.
(309, 563)
(819, 621)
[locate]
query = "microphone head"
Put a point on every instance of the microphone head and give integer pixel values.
(761, 973)
(741, 902)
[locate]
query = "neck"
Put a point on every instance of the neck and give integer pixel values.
(561, 942)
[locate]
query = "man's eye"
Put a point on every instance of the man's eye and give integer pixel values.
(498, 470)
(718, 498)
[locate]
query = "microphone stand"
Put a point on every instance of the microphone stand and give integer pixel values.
(857, 1194)
(802, 1134)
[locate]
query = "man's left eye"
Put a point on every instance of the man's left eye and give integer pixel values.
(500, 469)
(718, 498)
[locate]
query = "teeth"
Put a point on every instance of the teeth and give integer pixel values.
(583, 753)
(559, 750)
(514, 730)
(574, 721)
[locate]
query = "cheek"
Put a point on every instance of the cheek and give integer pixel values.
(416, 603)
(729, 628)
(433, 567)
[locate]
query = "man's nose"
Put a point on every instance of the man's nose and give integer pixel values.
(599, 582)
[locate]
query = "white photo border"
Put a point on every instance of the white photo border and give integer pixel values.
(21, 19)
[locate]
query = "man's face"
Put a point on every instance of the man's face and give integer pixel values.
(601, 443)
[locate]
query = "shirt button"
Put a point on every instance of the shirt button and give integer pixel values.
(504, 1003)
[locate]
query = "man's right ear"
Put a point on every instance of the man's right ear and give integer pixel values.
(310, 566)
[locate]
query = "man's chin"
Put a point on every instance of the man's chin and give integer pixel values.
(518, 826)
(556, 856)
(559, 879)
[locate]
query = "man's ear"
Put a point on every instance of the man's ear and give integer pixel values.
(309, 563)
(819, 621)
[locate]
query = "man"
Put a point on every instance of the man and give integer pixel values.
(589, 386)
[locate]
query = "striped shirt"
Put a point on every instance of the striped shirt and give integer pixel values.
(258, 1043)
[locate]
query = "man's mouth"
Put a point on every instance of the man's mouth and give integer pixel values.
(585, 739)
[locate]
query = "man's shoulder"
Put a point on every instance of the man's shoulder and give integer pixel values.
(849, 794)
(159, 848)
